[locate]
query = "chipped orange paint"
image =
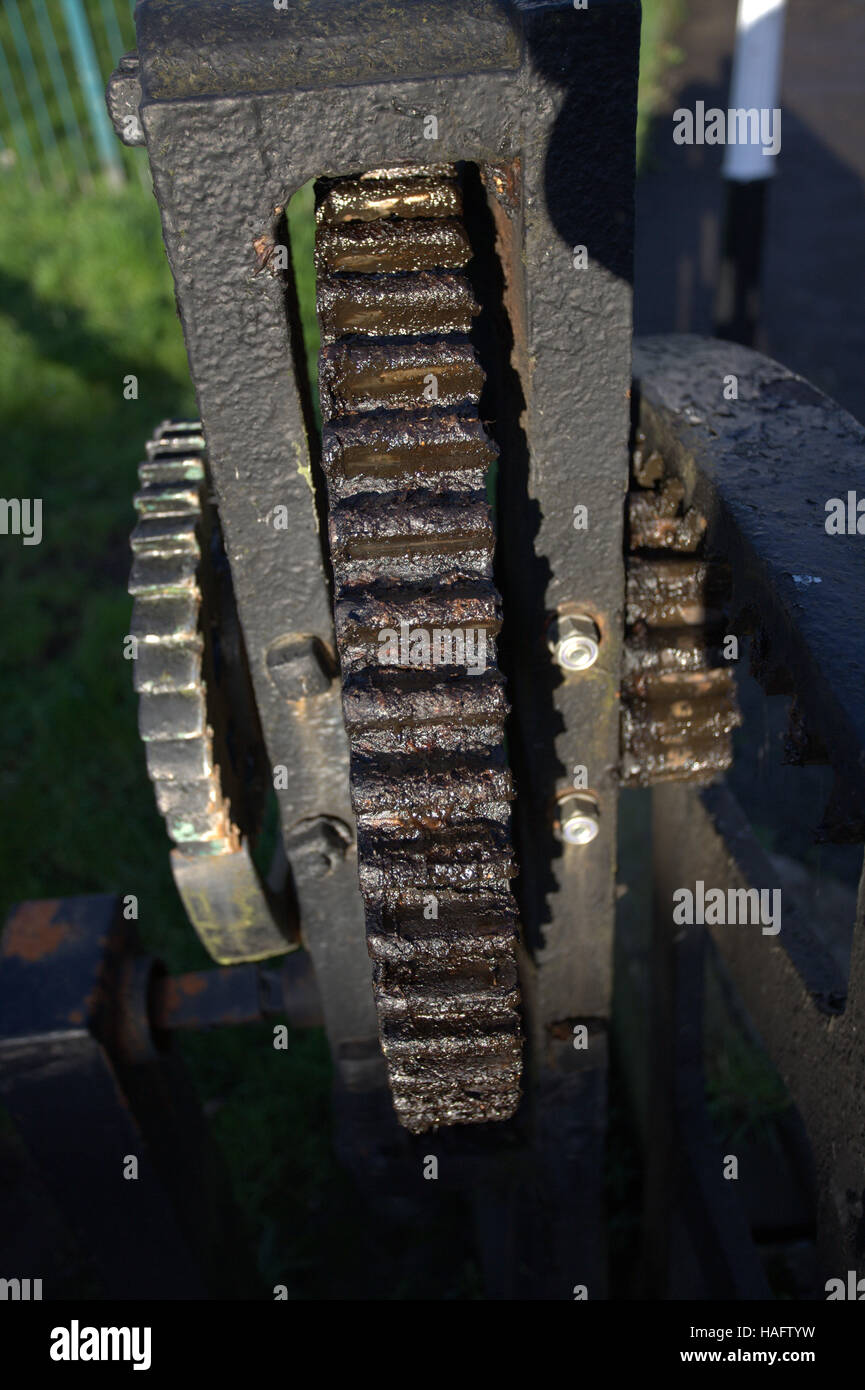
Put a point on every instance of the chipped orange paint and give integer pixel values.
(32, 933)
(190, 985)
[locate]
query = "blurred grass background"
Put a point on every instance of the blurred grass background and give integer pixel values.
(86, 299)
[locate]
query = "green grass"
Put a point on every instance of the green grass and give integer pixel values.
(658, 54)
(86, 299)
(302, 233)
(744, 1092)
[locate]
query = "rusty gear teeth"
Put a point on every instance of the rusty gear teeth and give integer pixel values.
(165, 623)
(678, 698)
(408, 246)
(408, 447)
(363, 376)
(171, 545)
(378, 306)
(386, 193)
(405, 455)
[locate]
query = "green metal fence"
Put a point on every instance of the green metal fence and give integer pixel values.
(55, 59)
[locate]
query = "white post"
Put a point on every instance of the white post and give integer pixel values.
(756, 81)
(749, 161)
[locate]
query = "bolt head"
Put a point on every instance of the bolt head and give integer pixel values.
(579, 829)
(316, 846)
(577, 819)
(574, 641)
(577, 652)
(298, 667)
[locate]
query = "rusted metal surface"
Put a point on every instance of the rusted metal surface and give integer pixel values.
(790, 581)
(696, 1240)
(33, 933)
(363, 375)
(274, 99)
(62, 1082)
(810, 1019)
(183, 728)
(670, 593)
(655, 519)
(678, 694)
(411, 542)
(237, 994)
(803, 745)
(790, 577)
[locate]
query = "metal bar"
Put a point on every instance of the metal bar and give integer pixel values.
(808, 1043)
(63, 1093)
(237, 994)
(748, 167)
(89, 1091)
(112, 28)
(16, 118)
(61, 87)
(571, 451)
(91, 85)
(687, 1194)
(118, 45)
(755, 82)
(788, 570)
(34, 90)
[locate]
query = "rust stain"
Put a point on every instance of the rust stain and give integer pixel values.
(32, 933)
(190, 985)
(265, 249)
(504, 180)
(411, 534)
(561, 1031)
(680, 705)
(173, 992)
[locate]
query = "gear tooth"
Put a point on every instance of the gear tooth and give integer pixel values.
(168, 676)
(411, 541)
(360, 375)
(164, 666)
(430, 191)
(176, 498)
(167, 574)
(678, 697)
(409, 244)
(166, 536)
(168, 617)
(395, 306)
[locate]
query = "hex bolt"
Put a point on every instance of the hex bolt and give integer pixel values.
(299, 667)
(578, 820)
(574, 641)
(317, 845)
